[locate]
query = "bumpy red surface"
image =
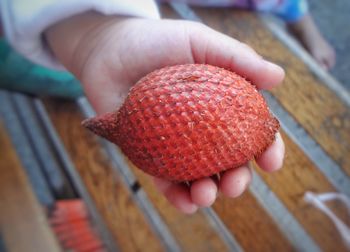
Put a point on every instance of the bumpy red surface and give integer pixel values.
(191, 121)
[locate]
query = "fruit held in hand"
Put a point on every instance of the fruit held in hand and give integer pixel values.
(190, 121)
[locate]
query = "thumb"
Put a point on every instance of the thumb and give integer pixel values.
(211, 47)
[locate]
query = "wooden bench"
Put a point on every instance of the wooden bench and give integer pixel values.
(271, 216)
(23, 224)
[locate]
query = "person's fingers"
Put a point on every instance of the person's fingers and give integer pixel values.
(330, 59)
(322, 60)
(161, 184)
(324, 65)
(203, 192)
(272, 158)
(233, 182)
(178, 195)
(211, 47)
(325, 56)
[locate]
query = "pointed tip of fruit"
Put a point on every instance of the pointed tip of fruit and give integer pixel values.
(101, 125)
(87, 123)
(92, 124)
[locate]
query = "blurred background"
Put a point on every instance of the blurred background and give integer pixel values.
(333, 19)
(79, 194)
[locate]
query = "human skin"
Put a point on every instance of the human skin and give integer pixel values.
(306, 31)
(109, 54)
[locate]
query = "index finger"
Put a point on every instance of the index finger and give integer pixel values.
(211, 47)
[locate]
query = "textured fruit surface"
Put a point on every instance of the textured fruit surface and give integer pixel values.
(190, 121)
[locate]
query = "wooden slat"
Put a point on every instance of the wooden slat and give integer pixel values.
(253, 228)
(290, 184)
(113, 200)
(193, 232)
(167, 12)
(23, 223)
(312, 104)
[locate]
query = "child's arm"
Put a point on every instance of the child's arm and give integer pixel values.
(311, 38)
(109, 54)
(301, 24)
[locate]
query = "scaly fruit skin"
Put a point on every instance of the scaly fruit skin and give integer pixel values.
(186, 122)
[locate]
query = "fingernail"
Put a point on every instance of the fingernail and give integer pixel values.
(242, 186)
(272, 67)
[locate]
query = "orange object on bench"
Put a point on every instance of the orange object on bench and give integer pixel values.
(71, 224)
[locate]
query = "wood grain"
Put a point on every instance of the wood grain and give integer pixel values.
(252, 226)
(298, 176)
(305, 97)
(113, 200)
(193, 232)
(23, 223)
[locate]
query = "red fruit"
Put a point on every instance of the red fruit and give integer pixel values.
(187, 122)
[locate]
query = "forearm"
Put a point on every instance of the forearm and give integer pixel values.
(304, 29)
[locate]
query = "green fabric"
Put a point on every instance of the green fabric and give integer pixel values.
(19, 74)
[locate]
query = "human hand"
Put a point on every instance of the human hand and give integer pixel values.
(110, 54)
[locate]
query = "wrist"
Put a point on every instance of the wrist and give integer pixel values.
(73, 39)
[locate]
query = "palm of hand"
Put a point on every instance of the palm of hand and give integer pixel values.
(123, 51)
